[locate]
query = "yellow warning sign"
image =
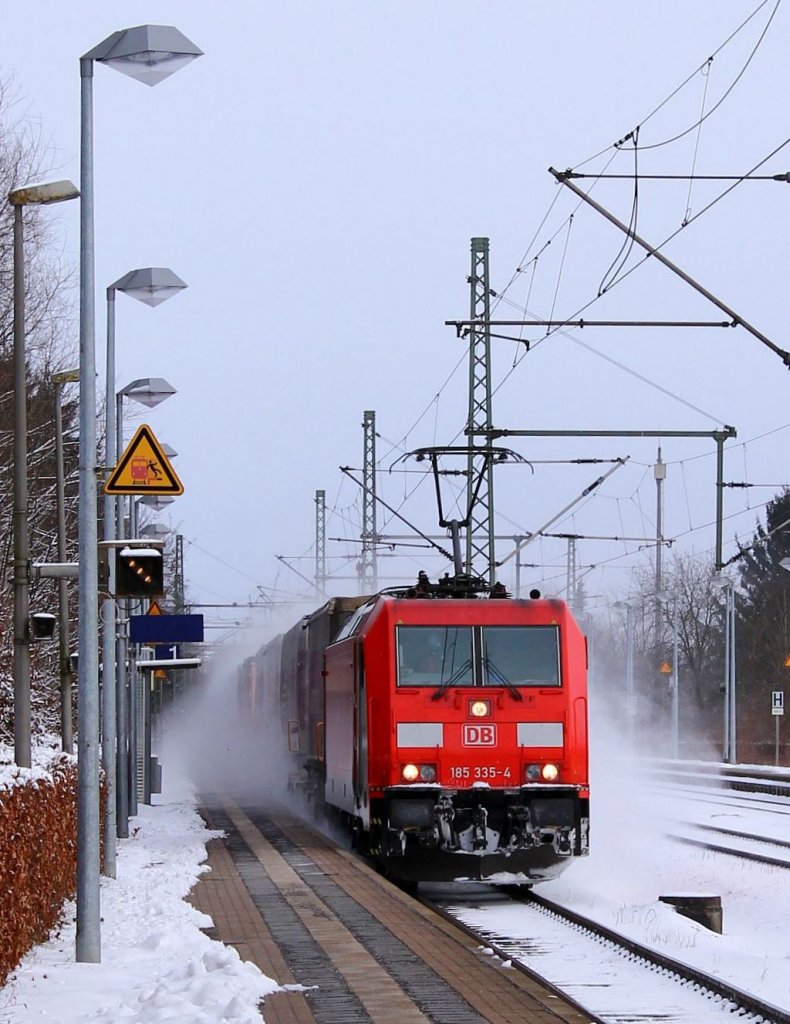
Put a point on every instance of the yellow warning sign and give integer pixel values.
(665, 668)
(143, 468)
(787, 661)
(154, 608)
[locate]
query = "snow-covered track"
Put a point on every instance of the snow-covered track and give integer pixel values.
(746, 778)
(737, 846)
(692, 996)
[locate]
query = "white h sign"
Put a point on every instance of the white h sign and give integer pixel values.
(778, 702)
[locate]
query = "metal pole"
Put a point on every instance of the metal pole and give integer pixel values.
(133, 676)
(64, 656)
(733, 732)
(776, 740)
(659, 473)
(108, 691)
(122, 692)
(88, 946)
(517, 541)
(727, 755)
(675, 680)
(720, 438)
(22, 754)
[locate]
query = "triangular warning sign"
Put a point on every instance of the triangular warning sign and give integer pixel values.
(154, 608)
(665, 668)
(787, 661)
(143, 468)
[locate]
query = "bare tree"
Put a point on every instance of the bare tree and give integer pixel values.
(50, 346)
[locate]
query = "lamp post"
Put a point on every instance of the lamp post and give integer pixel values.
(152, 286)
(148, 53)
(64, 657)
(148, 682)
(149, 391)
(30, 195)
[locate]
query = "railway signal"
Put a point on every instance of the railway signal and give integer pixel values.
(139, 572)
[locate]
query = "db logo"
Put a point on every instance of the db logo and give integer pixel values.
(479, 736)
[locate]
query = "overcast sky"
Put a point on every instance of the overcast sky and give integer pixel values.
(316, 178)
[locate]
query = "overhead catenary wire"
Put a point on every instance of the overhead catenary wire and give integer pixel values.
(644, 120)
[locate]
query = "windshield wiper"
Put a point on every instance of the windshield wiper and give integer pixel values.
(452, 680)
(502, 680)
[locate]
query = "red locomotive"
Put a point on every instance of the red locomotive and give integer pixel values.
(447, 729)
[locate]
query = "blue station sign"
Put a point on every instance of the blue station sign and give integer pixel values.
(166, 629)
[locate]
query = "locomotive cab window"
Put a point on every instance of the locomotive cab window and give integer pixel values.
(435, 656)
(352, 626)
(520, 656)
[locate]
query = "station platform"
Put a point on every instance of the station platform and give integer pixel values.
(352, 945)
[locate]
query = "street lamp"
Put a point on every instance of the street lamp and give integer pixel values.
(672, 600)
(157, 502)
(152, 286)
(28, 195)
(149, 391)
(148, 53)
(66, 722)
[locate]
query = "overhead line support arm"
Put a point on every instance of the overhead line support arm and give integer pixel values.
(562, 178)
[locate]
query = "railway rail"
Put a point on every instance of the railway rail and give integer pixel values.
(741, 851)
(746, 778)
(615, 958)
(329, 912)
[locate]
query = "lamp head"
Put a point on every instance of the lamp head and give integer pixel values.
(66, 376)
(148, 53)
(149, 391)
(151, 285)
(40, 194)
(157, 502)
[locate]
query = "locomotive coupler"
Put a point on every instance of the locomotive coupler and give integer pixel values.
(479, 820)
(428, 838)
(445, 813)
(562, 841)
(521, 835)
(394, 842)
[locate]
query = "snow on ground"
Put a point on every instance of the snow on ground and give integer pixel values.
(632, 863)
(156, 963)
(158, 966)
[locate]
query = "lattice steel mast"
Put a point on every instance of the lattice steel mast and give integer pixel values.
(320, 542)
(480, 554)
(367, 568)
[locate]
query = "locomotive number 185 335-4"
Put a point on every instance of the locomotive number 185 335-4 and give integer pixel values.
(479, 772)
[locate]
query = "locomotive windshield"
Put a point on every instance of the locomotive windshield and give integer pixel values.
(478, 656)
(434, 656)
(521, 656)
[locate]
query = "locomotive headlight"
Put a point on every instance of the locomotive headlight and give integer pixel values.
(533, 772)
(428, 772)
(480, 708)
(550, 772)
(410, 772)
